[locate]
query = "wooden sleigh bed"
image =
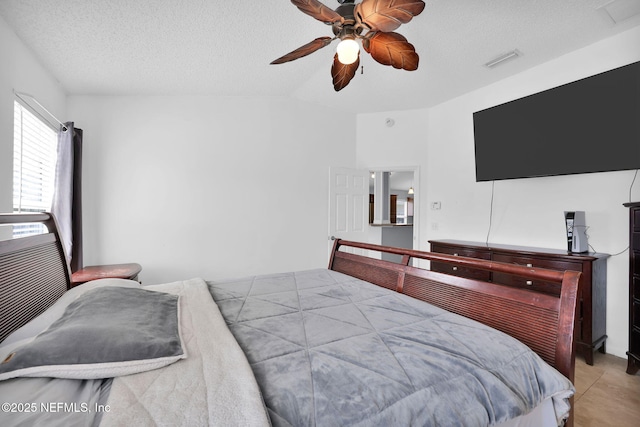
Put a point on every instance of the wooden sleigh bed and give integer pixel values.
(35, 274)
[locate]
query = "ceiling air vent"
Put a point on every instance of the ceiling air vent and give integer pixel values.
(503, 58)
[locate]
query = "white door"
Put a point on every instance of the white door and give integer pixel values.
(348, 204)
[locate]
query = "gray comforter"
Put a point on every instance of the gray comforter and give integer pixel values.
(331, 350)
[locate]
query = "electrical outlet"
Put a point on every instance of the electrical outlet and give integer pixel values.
(436, 206)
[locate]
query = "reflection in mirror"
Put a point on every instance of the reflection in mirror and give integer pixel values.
(394, 216)
(395, 191)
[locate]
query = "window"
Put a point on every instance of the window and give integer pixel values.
(34, 166)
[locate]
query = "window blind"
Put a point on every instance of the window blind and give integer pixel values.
(34, 166)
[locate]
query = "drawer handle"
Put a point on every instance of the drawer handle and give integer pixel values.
(455, 268)
(529, 265)
(529, 282)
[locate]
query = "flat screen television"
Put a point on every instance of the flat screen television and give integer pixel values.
(590, 125)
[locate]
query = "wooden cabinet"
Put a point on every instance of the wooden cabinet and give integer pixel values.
(591, 330)
(633, 355)
(393, 208)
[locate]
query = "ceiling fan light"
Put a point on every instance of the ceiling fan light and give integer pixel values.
(348, 50)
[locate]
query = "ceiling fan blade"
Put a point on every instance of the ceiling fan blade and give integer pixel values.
(342, 74)
(387, 15)
(319, 11)
(392, 49)
(305, 50)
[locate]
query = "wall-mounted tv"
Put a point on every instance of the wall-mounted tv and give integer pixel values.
(591, 125)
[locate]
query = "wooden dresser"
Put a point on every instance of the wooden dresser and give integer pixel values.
(591, 328)
(633, 363)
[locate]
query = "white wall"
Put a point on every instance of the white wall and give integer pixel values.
(525, 211)
(20, 71)
(208, 187)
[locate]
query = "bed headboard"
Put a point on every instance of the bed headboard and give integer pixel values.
(543, 322)
(35, 272)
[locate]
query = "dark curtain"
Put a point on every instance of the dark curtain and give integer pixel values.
(67, 194)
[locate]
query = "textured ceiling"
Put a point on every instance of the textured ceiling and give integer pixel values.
(207, 47)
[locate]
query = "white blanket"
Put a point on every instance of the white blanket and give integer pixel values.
(213, 386)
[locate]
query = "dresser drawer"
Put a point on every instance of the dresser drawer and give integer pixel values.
(636, 219)
(538, 285)
(635, 261)
(466, 252)
(551, 264)
(469, 273)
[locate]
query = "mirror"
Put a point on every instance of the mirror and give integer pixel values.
(390, 199)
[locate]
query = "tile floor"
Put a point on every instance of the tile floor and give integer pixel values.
(605, 394)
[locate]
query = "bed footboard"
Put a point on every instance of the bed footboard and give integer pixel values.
(543, 322)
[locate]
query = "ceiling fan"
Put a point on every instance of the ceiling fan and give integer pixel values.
(372, 22)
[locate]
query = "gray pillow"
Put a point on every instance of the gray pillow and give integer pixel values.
(107, 332)
(42, 322)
